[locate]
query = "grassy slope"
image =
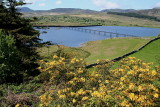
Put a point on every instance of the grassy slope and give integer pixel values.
(102, 49)
(111, 48)
(150, 52)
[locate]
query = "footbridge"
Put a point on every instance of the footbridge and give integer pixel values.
(110, 34)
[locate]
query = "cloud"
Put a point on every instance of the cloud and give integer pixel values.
(58, 2)
(42, 4)
(105, 4)
(157, 5)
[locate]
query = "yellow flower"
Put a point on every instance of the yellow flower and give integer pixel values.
(140, 88)
(124, 103)
(156, 95)
(107, 81)
(122, 78)
(141, 98)
(131, 86)
(59, 91)
(74, 100)
(84, 98)
(71, 82)
(62, 96)
(73, 60)
(121, 70)
(55, 56)
(80, 92)
(45, 99)
(99, 81)
(72, 93)
(17, 105)
(40, 105)
(131, 96)
(131, 72)
(96, 94)
(153, 73)
(62, 59)
(80, 71)
(83, 79)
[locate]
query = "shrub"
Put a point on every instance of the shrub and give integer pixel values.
(133, 83)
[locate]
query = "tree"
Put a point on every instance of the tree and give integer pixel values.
(26, 37)
(10, 60)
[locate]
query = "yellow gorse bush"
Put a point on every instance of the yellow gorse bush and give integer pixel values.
(133, 83)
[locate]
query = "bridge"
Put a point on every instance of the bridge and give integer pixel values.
(110, 34)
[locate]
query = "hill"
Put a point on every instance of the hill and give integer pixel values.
(71, 10)
(150, 12)
(119, 10)
(25, 9)
(59, 10)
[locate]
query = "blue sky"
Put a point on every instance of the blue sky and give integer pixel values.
(92, 4)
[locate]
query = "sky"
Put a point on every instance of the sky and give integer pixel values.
(92, 4)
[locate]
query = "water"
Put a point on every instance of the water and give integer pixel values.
(74, 38)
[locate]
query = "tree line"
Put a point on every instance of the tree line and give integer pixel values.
(136, 15)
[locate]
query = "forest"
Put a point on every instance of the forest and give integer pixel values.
(137, 15)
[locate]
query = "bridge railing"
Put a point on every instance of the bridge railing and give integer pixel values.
(110, 34)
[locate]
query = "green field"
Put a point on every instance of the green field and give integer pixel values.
(112, 48)
(101, 49)
(108, 49)
(151, 53)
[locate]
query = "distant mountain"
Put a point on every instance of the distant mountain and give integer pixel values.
(119, 10)
(24, 9)
(71, 10)
(59, 10)
(151, 12)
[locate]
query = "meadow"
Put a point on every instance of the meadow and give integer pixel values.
(101, 49)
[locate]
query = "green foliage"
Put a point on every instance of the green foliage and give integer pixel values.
(10, 59)
(70, 19)
(25, 40)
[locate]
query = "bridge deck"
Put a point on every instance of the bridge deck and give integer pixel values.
(104, 32)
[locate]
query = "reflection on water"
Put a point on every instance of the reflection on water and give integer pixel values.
(75, 38)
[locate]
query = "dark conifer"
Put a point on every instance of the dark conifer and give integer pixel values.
(26, 37)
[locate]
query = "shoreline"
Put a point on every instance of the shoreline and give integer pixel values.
(63, 26)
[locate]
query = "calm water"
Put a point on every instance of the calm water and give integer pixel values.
(74, 38)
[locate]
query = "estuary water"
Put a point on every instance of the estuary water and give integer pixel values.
(75, 37)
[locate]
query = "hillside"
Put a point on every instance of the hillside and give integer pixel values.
(25, 10)
(83, 17)
(71, 10)
(119, 10)
(151, 53)
(150, 12)
(58, 10)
